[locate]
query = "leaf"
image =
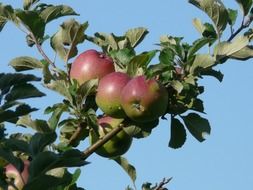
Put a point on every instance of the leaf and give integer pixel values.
(177, 85)
(202, 61)
(6, 14)
(28, 3)
(128, 168)
(23, 91)
(225, 49)
(59, 86)
(46, 161)
(55, 117)
(39, 141)
(139, 63)
(198, 126)
(136, 35)
(33, 22)
(53, 12)
(10, 79)
(210, 72)
(40, 126)
(216, 10)
(177, 134)
(26, 63)
(232, 16)
(47, 182)
(245, 6)
(8, 156)
(70, 34)
(17, 145)
(13, 116)
(197, 45)
(243, 54)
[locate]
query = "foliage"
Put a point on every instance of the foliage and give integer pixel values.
(53, 147)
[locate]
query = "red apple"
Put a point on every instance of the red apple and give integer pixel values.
(117, 145)
(89, 65)
(19, 179)
(144, 99)
(108, 94)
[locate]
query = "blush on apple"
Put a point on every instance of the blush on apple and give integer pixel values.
(144, 99)
(89, 65)
(108, 94)
(18, 179)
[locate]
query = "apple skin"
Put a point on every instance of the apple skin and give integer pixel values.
(89, 65)
(117, 145)
(19, 179)
(109, 92)
(144, 100)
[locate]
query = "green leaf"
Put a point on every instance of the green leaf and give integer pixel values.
(243, 54)
(17, 145)
(10, 79)
(60, 87)
(39, 141)
(40, 126)
(128, 168)
(13, 116)
(216, 10)
(139, 130)
(139, 63)
(6, 14)
(45, 161)
(202, 61)
(177, 85)
(47, 182)
(198, 126)
(245, 6)
(232, 16)
(23, 91)
(53, 12)
(69, 35)
(55, 117)
(26, 63)
(28, 3)
(177, 134)
(8, 156)
(136, 35)
(197, 45)
(210, 72)
(33, 23)
(226, 49)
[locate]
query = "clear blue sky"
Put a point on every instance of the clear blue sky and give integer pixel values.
(223, 161)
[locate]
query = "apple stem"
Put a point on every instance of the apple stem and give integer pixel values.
(91, 149)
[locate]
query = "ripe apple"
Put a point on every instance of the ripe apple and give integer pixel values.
(144, 99)
(117, 145)
(18, 179)
(89, 65)
(108, 94)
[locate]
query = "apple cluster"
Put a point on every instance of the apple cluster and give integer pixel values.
(119, 96)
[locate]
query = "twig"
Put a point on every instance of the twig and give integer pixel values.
(41, 50)
(162, 183)
(76, 134)
(102, 141)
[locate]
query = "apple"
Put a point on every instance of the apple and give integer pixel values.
(117, 145)
(18, 179)
(108, 94)
(89, 65)
(144, 99)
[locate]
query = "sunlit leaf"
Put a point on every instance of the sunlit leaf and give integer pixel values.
(65, 41)
(53, 12)
(136, 35)
(28, 3)
(25, 63)
(216, 10)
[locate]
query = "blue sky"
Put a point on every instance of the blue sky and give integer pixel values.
(223, 161)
